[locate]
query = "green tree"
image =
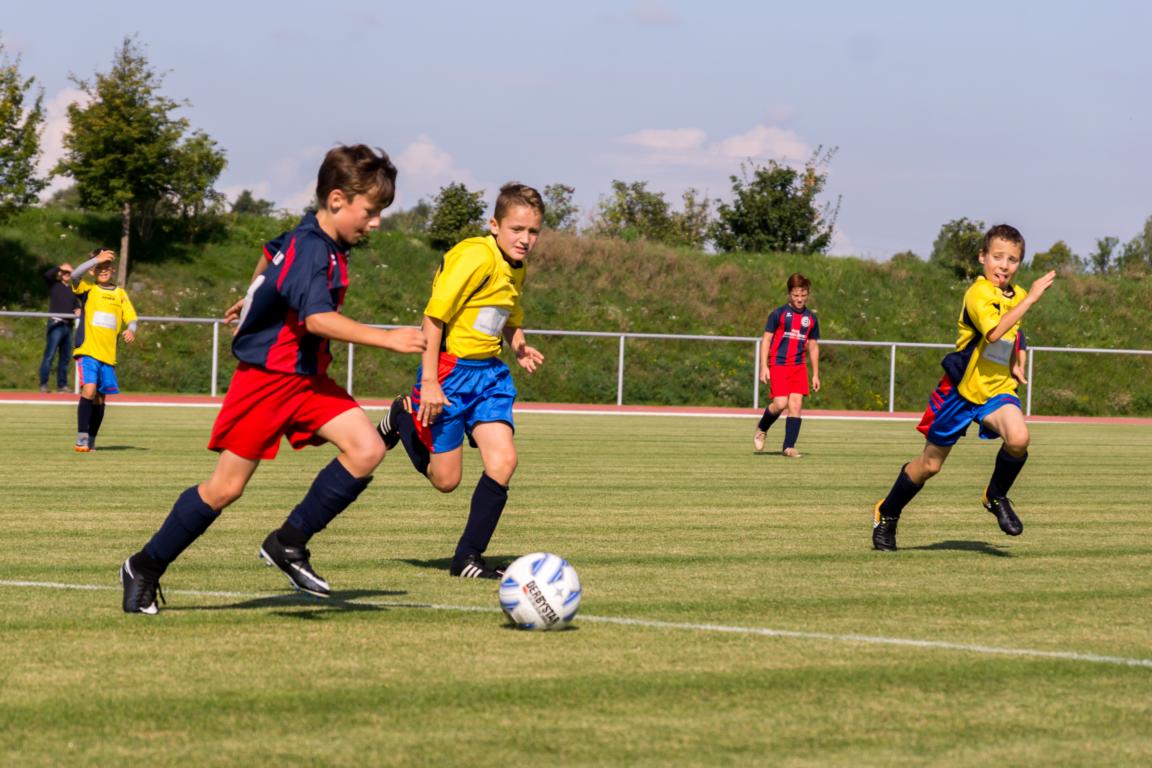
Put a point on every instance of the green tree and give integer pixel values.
(124, 148)
(457, 214)
(412, 220)
(1101, 258)
(247, 203)
(632, 212)
(559, 211)
(692, 224)
(1137, 252)
(1059, 257)
(774, 209)
(20, 125)
(957, 247)
(196, 164)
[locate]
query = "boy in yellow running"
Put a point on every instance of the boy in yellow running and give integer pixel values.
(105, 311)
(979, 386)
(463, 388)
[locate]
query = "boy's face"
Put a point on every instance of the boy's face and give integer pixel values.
(103, 273)
(798, 297)
(1001, 261)
(353, 217)
(517, 232)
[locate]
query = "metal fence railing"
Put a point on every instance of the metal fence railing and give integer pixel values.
(622, 338)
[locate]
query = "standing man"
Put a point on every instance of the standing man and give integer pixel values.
(58, 343)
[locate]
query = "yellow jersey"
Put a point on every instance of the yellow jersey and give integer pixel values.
(989, 370)
(105, 312)
(476, 293)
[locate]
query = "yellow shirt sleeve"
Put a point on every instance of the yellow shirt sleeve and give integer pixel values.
(465, 270)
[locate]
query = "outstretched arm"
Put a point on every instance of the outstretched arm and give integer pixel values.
(337, 327)
(1014, 315)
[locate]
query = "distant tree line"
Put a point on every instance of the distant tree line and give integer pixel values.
(126, 151)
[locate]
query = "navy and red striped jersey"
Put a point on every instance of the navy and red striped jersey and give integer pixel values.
(307, 274)
(791, 330)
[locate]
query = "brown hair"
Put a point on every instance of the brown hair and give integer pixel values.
(515, 193)
(357, 170)
(797, 280)
(1004, 232)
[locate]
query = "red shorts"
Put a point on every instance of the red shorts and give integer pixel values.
(787, 380)
(263, 406)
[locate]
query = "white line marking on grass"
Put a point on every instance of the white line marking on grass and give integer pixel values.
(942, 645)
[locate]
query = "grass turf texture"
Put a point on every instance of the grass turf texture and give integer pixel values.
(666, 520)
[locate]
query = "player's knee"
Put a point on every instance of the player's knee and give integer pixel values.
(444, 484)
(367, 456)
(501, 468)
(220, 495)
(1017, 445)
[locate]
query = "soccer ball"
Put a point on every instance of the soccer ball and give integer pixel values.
(540, 591)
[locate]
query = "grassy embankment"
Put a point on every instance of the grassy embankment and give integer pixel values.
(579, 283)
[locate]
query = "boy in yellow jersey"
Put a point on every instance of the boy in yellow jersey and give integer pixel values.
(105, 311)
(979, 386)
(463, 388)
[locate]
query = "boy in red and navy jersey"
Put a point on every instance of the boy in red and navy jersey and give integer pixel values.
(281, 387)
(791, 335)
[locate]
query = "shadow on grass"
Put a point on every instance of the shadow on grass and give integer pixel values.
(340, 602)
(102, 448)
(982, 547)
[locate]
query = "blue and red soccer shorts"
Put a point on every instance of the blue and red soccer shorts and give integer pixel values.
(480, 391)
(89, 370)
(262, 406)
(948, 415)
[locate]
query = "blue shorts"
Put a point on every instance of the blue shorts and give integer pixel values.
(89, 370)
(948, 415)
(480, 391)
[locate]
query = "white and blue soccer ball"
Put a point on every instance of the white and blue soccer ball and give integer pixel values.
(540, 591)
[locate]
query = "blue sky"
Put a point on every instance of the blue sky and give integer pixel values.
(1028, 112)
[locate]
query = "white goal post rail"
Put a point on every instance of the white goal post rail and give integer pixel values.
(621, 338)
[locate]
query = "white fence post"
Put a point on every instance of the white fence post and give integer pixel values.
(351, 355)
(892, 381)
(1028, 407)
(215, 355)
(756, 374)
(620, 373)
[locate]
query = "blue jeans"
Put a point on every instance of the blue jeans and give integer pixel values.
(58, 342)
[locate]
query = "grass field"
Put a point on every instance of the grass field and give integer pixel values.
(734, 612)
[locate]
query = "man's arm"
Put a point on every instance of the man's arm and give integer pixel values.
(337, 327)
(1014, 315)
(814, 356)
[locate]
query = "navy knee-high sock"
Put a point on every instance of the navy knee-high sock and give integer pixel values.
(189, 518)
(768, 419)
(331, 493)
(95, 422)
(902, 492)
(1005, 473)
(84, 416)
(418, 453)
(488, 502)
(791, 431)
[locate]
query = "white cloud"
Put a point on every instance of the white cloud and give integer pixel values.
(52, 135)
(425, 167)
(690, 147)
(667, 139)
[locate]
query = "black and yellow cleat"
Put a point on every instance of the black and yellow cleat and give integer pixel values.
(1001, 507)
(388, 428)
(883, 530)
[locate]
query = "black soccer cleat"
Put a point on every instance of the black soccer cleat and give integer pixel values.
(1001, 507)
(883, 530)
(388, 428)
(293, 561)
(474, 567)
(140, 591)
